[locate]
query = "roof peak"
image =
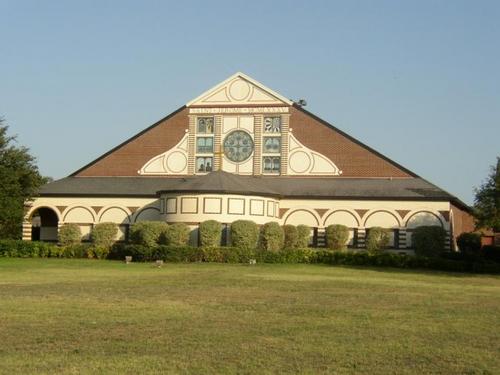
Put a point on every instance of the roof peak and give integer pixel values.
(239, 89)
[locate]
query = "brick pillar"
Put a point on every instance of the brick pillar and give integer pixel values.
(447, 241)
(191, 144)
(257, 156)
(361, 238)
(218, 148)
(321, 237)
(26, 230)
(285, 121)
(402, 238)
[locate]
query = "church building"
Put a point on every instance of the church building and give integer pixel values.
(242, 151)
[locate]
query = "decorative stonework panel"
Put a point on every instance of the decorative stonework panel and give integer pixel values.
(171, 206)
(382, 219)
(341, 217)
(189, 205)
(423, 219)
(115, 215)
(236, 206)
(304, 161)
(78, 215)
(239, 89)
(256, 207)
(148, 214)
(212, 205)
(173, 161)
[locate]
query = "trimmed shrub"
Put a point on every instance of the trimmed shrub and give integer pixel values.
(303, 236)
(337, 236)
(429, 240)
(377, 239)
(244, 234)
(291, 236)
(178, 254)
(176, 235)
(469, 243)
(210, 233)
(69, 234)
(147, 233)
(104, 234)
(27, 249)
(75, 251)
(271, 237)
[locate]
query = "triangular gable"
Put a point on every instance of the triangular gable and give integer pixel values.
(239, 89)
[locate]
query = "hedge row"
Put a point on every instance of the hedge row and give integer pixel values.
(455, 262)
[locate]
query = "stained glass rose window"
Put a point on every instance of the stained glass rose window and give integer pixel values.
(238, 146)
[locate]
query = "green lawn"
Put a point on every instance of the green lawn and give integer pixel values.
(84, 316)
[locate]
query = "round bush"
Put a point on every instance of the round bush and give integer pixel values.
(291, 236)
(244, 234)
(272, 237)
(147, 233)
(429, 240)
(176, 235)
(303, 235)
(210, 232)
(337, 236)
(70, 234)
(469, 243)
(377, 239)
(103, 235)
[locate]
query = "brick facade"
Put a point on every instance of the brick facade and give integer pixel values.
(128, 158)
(354, 159)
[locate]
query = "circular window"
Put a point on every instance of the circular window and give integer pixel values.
(238, 146)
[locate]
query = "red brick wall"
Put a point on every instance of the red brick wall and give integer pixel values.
(127, 159)
(462, 221)
(353, 159)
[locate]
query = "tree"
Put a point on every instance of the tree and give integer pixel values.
(19, 182)
(487, 201)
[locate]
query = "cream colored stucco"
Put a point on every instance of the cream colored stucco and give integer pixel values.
(239, 89)
(226, 208)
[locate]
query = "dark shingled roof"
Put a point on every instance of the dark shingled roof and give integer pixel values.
(277, 186)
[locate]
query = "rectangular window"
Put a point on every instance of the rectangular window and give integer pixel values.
(272, 124)
(204, 164)
(271, 164)
(205, 125)
(272, 144)
(204, 145)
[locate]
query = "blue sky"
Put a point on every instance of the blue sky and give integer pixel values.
(418, 81)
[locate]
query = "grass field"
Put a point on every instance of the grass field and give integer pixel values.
(83, 316)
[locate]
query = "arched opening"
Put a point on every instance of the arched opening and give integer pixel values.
(387, 220)
(346, 218)
(419, 219)
(44, 223)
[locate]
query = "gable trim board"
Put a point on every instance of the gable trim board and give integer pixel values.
(353, 176)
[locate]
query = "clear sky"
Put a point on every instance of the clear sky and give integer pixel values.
(417, 80)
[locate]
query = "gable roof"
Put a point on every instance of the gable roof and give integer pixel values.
(239, 89)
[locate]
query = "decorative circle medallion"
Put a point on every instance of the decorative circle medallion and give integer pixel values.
(238, 146)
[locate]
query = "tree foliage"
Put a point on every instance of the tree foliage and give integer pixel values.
(19, 182)
(487, 200)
